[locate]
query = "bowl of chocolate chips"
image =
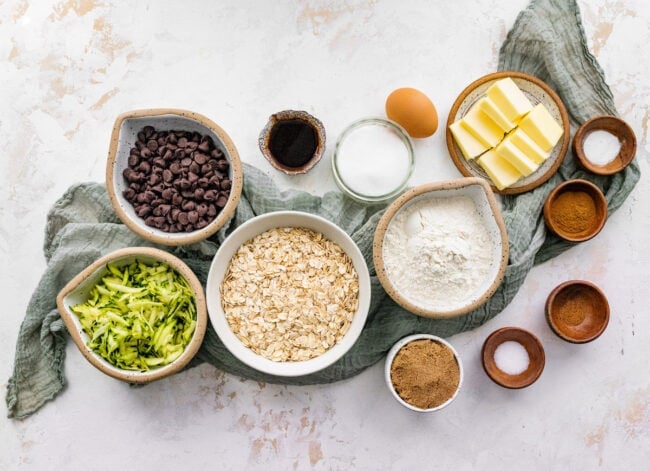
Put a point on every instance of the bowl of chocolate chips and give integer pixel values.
(173, 176)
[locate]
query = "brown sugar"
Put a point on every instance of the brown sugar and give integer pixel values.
(425, 373)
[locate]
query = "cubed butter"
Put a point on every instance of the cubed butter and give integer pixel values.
(522, 140)
(490, 108)
(509, 98)
(516, 157)
(541, 127)
(482, 127)
(502, 173)
(469, 145)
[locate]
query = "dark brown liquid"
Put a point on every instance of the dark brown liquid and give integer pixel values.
(293, 142)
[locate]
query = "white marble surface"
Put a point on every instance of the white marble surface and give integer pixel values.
(68, 68)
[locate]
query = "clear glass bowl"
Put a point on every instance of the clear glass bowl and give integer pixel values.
(400, 185)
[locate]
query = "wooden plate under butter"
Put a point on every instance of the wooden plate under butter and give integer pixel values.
(537, 92)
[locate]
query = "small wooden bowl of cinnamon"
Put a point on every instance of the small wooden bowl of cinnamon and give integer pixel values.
(577, 311)
(575, 210)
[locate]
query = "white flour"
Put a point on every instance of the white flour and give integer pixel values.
(437, 252)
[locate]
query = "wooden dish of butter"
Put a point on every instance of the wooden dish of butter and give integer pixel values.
(509, 128)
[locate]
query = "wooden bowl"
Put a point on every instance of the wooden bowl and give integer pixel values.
(577, 311)
(592, 227)
(479, 191)
(612, 125)
(77, 292)
(123, 139)
(265, 134)
(533, 347)
(537, 91)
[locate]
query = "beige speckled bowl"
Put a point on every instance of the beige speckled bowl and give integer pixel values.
(480, 193)
(77, 291)
(123, 138)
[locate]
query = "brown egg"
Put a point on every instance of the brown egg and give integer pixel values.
(413, 110)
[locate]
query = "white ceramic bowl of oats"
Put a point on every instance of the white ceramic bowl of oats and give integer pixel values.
(288, 293)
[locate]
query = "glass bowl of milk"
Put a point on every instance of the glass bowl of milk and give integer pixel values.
(373, 160)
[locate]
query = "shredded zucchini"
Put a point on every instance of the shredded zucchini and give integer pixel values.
(139, 316)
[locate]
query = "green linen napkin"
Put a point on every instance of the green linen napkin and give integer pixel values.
(547, 40)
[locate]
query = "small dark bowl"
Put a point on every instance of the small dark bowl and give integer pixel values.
(535, 353)
(589, 311)
(597, 197)
(265, 134)
(612, 125)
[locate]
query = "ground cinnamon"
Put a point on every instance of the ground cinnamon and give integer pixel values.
(575, 308)
(574, 212)
(425, 373)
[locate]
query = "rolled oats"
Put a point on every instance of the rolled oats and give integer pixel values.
(290, 294)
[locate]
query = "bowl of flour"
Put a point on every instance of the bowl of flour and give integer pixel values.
(441, 249)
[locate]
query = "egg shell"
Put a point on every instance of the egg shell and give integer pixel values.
(413, 110)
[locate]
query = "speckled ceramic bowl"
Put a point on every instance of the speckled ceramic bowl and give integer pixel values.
(123, 139)
(77, 292)
(488, 209)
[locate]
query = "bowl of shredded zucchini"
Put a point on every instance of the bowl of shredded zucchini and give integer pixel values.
(137, 314)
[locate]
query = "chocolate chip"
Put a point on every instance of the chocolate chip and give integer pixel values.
(176, 180)
(200, 158)
(129, 194)
(188, 205)
(221, 201)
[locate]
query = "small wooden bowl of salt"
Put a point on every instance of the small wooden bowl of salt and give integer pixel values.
(513, 357)
(604, 145)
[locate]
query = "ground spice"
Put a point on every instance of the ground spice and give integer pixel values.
(574, 212)
(425, 373)
(576, 307)
(293, 142)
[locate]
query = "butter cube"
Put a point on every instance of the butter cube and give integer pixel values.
(502, 173)
(516, 157)
(534, 152)
(482, 127)
(490, 108)
(469, 145)
(541, 127)
(509, 98)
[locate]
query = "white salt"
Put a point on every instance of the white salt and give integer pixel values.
(511, 357)
(373, 160)
(601, 147)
